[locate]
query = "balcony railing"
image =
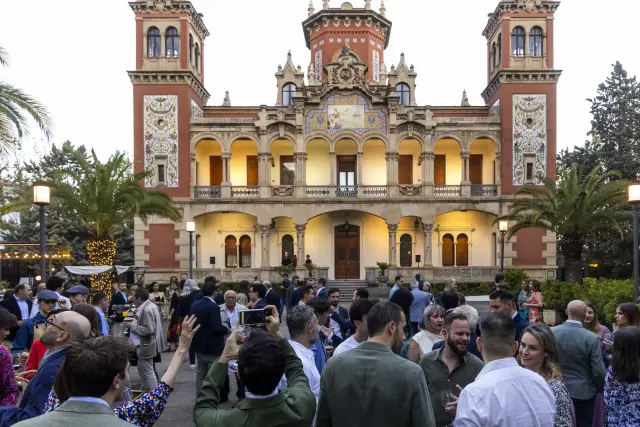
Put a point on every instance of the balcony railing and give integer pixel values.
(373, 191)
(409, 190)
(207, 192)
(446, 191)
(484, 190)
(245, 192)
(320, 191)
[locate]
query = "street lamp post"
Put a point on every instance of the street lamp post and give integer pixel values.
(503, 226)
(634, 199)
(191, 227)
(41, 197)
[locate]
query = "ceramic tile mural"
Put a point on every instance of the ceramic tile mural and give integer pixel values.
(196, 111)
(494, 111)
(346, 113)
(529, 135)
(161, 136)
(376, 66)
(318, 66)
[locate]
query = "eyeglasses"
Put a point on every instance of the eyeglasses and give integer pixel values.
(49, 322)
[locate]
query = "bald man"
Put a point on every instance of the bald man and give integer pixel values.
(581, 362)
(62, 331)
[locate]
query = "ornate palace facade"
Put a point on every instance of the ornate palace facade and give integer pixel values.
(347, 166)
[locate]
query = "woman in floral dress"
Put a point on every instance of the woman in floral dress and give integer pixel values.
(622, 386)
(535, 303)
(591, 323)
(523, 298)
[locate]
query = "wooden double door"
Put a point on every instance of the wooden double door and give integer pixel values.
(347, 251)
(215, 170)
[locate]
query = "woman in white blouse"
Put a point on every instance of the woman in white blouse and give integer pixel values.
(431, 333)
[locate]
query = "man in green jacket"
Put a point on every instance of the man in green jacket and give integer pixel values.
(371, 385)
(262, 359)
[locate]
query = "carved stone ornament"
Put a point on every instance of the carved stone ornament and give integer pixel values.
(265, 229)
(409, 190)
(393, 228)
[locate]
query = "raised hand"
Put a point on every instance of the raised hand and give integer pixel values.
(188, 331)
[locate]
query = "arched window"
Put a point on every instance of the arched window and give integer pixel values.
(535, 41)
(448, 256)
(287, 246)
(517, 42)
(405, 250)
(288, 92)
(172, 41)
(499, 49)
(153, 42)
(191, 48)
(402, 89)
(245, 251)
(493, 56)
(230, 252)
(462, 250)
(197, 56)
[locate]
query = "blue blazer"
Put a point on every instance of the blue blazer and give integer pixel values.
(521, 325)
(209, 339)
(36, 394)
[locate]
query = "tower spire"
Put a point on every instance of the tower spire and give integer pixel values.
(227, 100)
(311, 9)
(383, 10)
(465, 99)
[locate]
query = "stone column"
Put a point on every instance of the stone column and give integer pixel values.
(428, 160)
(393, 229)
(226, 176)
(359, 182)
(300, 228)
(194, 178)
(465, 184)
(392, 173)
(264, 174)
(332, 156)
(428, 229)
(498, 176)
(238, 263)
(265, 231)
(300, 160)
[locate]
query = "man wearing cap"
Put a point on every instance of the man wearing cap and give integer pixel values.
(33, 328)
(78, 294)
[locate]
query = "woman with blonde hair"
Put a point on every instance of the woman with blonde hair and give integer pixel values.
(431, 333)
(539, 353)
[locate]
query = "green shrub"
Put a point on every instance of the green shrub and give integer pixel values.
(514, 277)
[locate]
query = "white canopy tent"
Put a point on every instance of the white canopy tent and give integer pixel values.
(91, 270)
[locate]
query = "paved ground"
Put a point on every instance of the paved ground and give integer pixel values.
(179, 410)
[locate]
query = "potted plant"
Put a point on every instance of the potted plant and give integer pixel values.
(383, 266)
(310, 268)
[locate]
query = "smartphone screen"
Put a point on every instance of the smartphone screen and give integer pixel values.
(254, 317)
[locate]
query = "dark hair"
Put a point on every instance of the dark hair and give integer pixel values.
(333, 291)
(502, 295)
(54, 283)
(261, 363)
(536, 285)
(499, 277)
(461, 299)
(362, 293)
(498, 331)
(7, 320)
(90, 366)
(211, 279)
(141, 293)
(298, 318)
(98, 298)
(151, 285)
(632, 312)
(592, 326)
(20, 287)
(319, 305)
(381, 315)
(451, 317)
(403, 298)
(625, 363)
(209, 289)
(417, 276)
(450, 299)
(174, 279)
(360, 308)
(322, 281)
(304, 290)
(398, 278)
(260, 289)
(90, 313)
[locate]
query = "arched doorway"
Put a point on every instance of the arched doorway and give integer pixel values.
(287, 245)
(245, 251)
(448, 256)
(405, 250)
(462, 250)
(347, 251)
(230, 252)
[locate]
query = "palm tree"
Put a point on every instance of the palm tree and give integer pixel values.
(16, 107)
(575, 208)
(104, 196)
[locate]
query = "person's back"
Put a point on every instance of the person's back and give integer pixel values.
(372, 386)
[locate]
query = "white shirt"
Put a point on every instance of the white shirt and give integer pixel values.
(24, 308)
(349, 344)
(234, 315)
(506, 395)
(308, 366)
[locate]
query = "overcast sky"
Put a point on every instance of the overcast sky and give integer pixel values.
(74, 58)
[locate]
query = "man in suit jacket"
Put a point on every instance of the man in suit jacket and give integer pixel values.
(145, 326)
(262, 360)
(257, 292)
(91, 388)
(208, 342)
(66, 329)
(583, 370)
(19, 305)
(503, 301)
(272, 297)
(119, 298)
(360, 387)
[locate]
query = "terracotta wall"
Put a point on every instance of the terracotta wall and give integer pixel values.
(529, 247)
(161, 241)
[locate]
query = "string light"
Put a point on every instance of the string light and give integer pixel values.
(101, 252)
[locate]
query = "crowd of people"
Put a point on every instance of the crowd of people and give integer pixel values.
(416, 359)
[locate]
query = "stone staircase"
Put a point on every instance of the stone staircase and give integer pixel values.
(347, 288)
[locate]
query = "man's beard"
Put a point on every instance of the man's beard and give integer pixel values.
(398, 344)
(452, 345)
(335, 303)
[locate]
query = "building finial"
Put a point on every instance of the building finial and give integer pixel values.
(367, 4)
(325, 4)
(227, 100)
(311, 9)
(465, 99)
(383, 10)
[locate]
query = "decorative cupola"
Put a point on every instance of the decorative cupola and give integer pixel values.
(465, 99)
(403, 80)
(290, 81)
(226, 102)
